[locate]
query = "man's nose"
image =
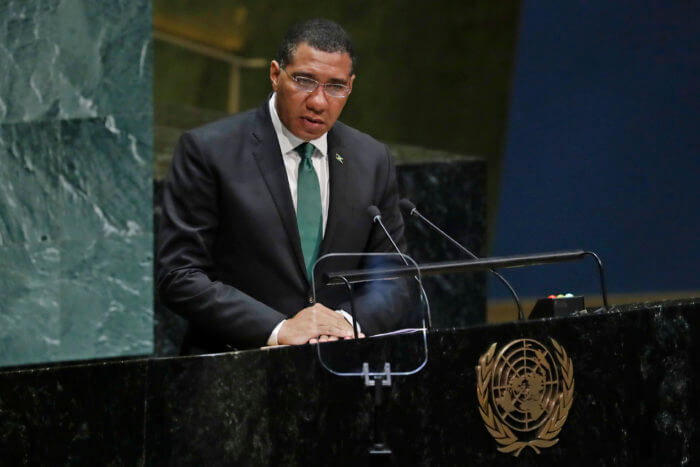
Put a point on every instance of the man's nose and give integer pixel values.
(317, 100)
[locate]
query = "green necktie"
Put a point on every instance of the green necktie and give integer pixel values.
(309, 211)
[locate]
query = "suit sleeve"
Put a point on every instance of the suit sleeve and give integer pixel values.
(186, 273)
(383, 306)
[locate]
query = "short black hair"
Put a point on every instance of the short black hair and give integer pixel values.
(321, 34)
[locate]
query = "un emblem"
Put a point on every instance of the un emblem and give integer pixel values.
(525, 393)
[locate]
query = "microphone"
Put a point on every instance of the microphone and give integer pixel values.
(376, 216)
(374, 213)
(407, 206)
(409, 209)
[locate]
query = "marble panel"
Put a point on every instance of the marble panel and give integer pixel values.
(106, 177)
(106, 297)
(669, 364)
(73, 415)
(75, 189)
(220, 394)
(29, 158)
(30, 303)
(74, 58)
(452, 194)
(75, 179)
(107, 223)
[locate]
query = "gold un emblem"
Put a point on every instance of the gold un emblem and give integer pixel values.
(525, 394)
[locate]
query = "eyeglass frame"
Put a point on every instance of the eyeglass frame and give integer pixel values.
(347, 88)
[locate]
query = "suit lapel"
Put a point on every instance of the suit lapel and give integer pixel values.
(269, 158)
(339, 174)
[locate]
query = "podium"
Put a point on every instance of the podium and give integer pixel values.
(636, 373)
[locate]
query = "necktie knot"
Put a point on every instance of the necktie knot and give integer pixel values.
(305, 150)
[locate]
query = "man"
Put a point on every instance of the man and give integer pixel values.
(254, 199)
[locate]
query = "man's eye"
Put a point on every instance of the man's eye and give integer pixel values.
(305, 81)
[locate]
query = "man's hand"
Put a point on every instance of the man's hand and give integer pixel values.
(316, 323)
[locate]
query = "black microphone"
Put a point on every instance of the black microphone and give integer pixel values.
(407, 206)
(409, 209)
(376, 216)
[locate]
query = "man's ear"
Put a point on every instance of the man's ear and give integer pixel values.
(275, 71)
(350, 81)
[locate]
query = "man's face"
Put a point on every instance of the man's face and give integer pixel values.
(310, 114)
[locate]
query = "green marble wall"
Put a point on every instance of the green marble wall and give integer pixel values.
(76, 156)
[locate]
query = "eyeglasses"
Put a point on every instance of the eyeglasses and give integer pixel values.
(310, 85)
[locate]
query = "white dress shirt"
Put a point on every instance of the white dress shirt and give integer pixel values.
(288, 142)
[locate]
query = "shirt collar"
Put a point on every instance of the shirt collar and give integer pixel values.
(288, 141)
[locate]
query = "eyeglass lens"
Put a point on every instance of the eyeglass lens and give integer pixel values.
(310, 85)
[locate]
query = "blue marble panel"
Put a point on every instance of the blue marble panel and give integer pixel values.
(74, 58)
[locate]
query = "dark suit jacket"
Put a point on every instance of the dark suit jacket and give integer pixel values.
(230, 258)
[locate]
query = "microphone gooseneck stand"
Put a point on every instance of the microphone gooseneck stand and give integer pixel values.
(410, 209)
(380, 449)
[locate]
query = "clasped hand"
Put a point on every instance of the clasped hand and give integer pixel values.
(316, 323)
